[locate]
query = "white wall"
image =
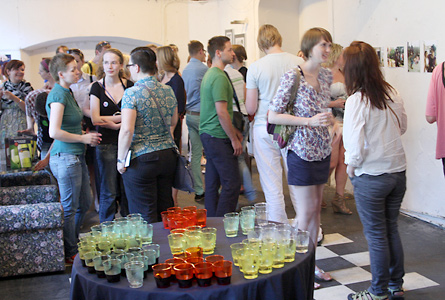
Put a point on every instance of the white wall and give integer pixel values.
(284, 16)
(394, 23)
(32, 29)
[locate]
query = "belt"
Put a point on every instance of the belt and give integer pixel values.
(193, 113)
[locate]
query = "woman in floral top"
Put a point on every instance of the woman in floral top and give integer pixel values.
(309, 147)
(149, 179)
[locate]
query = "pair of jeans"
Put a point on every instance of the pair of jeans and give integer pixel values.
(110, 182)
(249, 188)
(72, 177)
(221, 171)
(268, 160)
(148, 183)
(192, 122)
(378, 200)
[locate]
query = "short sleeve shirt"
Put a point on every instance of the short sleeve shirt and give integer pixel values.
(71, 121)
(435, 107)
(309, 143)
(150, 133)
(215, 87)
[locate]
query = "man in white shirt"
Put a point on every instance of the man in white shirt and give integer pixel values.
(263, 79)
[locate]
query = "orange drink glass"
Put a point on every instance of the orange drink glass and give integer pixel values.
(204, 273)
(223, 271)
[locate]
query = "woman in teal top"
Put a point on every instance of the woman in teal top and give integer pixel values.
(149, 179)
(67, 161)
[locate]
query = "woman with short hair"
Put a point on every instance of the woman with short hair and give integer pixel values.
(149, 178)
(67, 161)
(13, 94)
(309, 147)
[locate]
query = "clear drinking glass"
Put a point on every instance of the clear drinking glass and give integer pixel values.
(135, 273)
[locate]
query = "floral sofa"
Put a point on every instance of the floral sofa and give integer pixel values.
(31, 221)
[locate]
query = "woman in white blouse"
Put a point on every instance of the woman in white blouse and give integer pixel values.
(373, 124)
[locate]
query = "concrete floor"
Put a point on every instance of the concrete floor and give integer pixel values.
(343, 253)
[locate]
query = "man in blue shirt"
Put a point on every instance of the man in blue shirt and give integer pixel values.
(192, 76)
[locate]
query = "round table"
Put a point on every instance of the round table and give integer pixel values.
(293, 281)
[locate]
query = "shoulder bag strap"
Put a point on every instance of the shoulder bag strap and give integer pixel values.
(163, 119)
(294, 90)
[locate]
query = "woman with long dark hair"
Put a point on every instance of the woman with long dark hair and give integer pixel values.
(374, 121)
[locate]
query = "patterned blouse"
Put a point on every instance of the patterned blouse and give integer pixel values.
(150, 133)
(309, 143)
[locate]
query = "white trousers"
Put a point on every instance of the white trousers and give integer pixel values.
(268, 160)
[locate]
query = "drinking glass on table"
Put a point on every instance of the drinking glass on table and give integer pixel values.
(135, 273)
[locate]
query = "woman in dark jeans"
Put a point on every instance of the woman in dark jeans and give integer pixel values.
(149, 178)
(374, 121)
(105, 106)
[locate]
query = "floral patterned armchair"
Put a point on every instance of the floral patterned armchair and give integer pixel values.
(31, 222)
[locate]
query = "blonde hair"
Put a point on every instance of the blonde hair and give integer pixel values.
(100, 73)
(268, 36)
(168, 59)
(312, 37)
(336, 51)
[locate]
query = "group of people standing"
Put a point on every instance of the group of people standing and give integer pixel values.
(140, 118)
(356, 89)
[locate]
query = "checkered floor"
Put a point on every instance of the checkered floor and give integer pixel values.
(348, 263)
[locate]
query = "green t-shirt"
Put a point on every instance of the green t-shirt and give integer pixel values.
(215, 86)
(71, 121)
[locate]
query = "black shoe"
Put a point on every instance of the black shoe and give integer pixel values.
(199, 198)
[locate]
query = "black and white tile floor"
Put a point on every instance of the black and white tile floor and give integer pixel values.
(349, 266)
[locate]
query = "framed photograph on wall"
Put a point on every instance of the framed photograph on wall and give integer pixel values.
(240, 39)
(229, 34)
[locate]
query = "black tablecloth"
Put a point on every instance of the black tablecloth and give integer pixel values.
(293, 281)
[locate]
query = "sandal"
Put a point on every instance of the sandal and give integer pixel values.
(366, 295)
(321, 275)
(396, 294)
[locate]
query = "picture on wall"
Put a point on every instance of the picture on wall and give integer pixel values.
(396, 57)
(413, 49)
(229, 34)
(240, 39)
(430, 55)
(378, 50)
(4, 59)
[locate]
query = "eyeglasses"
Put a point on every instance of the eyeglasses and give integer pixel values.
(76, 51)
(104, 43)
(130, 65)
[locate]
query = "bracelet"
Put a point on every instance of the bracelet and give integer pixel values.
(121, 161)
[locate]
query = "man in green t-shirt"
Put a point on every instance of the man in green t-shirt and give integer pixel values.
(221, 141)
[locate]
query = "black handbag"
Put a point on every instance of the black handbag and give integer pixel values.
(238, 120)
(183, 175)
